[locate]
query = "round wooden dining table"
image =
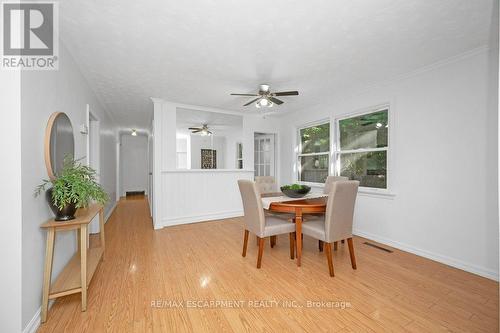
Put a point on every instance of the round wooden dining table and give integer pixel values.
(300, 207)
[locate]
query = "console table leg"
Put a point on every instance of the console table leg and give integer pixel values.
(83, 265)
(47, 274)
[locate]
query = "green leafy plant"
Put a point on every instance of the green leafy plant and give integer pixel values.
(76, 183)
(294, 187)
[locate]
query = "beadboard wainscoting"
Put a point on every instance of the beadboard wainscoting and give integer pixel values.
(190, 196)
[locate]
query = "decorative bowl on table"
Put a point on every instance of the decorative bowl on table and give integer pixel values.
(295, 190)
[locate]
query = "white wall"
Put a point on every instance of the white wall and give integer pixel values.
(199, 142)
(134, 163)
(232, 138)
(10, 199)
(444, 163)
(45, 92)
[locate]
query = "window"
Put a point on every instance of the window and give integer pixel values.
(183, 159)
(361, 148)
(314, 153)
(239, 155)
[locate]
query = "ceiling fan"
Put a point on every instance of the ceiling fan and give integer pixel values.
(266, 98)
(203, 130)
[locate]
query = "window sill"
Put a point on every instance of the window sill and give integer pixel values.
(383, 194)
(362, 191)
(314, 185)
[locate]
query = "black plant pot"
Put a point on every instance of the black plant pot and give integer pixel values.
(65, 214)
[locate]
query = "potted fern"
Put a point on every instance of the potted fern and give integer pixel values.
(74, 187)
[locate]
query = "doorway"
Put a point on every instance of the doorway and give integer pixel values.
(264, 154)
(93, 155)
(134, 163)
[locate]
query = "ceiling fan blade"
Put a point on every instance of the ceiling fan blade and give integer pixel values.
(275, 100)
(196, 131)
(209, 132)
(244, 95)
(286, 93)
(195, 128)
(252, 101)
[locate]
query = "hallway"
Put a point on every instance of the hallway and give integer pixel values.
(148, 278)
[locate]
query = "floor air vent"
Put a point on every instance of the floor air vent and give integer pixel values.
(378, 247)
(130, 193)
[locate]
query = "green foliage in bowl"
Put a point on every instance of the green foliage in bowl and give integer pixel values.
(295, 190)
(294, 187)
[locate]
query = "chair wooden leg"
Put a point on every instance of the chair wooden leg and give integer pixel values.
(334, 246)
(292, 246)
(245, 243)
(261, 250)
(257, 240)
(351, 252)
(272, 241)
(320, 245)
(328, 253)
(343, 241)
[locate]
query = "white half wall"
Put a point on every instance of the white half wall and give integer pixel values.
(45, 92)
(443, 159)
(200, 195)
(134, 163)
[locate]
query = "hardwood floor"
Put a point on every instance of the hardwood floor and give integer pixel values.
(388, 292)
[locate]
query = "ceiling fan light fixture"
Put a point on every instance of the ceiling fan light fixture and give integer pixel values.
(266, 98)
(134, 132)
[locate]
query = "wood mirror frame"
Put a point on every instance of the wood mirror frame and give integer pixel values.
(48, 136)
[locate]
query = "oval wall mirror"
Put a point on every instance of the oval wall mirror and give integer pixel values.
(59, 142)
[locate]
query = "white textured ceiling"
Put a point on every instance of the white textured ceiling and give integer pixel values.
(218, 123)
(197, 52)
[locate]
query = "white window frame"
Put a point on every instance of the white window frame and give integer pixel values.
(336, 152)
(187, 152)
(298, 155)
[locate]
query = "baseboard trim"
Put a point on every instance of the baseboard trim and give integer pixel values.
(168, 222)
(36, 321)
(481, 271)
(108, 215)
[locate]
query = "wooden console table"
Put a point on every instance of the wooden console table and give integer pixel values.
(80, 269)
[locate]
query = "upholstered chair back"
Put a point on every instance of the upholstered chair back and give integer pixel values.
(252, 206)
(266, 184)
(330, 180)
(340, 210)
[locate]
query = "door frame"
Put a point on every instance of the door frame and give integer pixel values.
(93, 149)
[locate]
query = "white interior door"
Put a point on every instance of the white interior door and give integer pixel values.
(264, 155)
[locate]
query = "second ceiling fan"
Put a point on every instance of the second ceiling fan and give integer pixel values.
(266, 98)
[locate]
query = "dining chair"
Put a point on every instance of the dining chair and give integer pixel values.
(328, 185)
(258, 223)
(330, 180)
(337, 224)
(266, 184)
